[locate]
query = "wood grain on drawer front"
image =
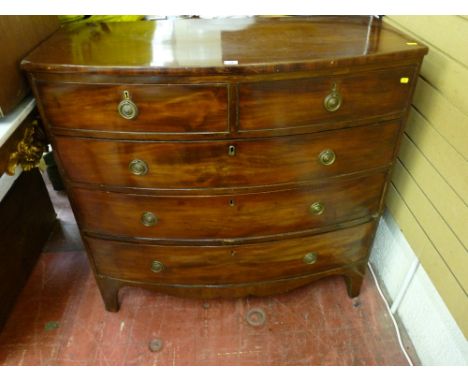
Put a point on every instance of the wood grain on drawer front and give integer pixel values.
(300, 102)
(228, 216)
(259, 162)
(230, 264)
(161, 108)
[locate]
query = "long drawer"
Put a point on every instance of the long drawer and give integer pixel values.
(234, 163)
(164, 108)
(230, 264)
(307, 101)
(227, 216)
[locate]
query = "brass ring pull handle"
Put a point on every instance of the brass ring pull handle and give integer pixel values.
(157, 266)
(148, 219)
(310, 258)
(138, 167)
(127, 109)
(327, 157)
(317, 208)
(332, 101)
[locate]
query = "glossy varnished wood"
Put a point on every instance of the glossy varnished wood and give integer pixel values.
(228, 216)
(207, 164)
(231, 125)
(207, 47)
(269, 104)
(110, 287)
(161, 108)
(195, 108)
(218, 265)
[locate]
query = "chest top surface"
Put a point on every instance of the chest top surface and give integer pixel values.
(222, 46)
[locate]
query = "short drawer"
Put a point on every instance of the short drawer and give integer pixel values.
(207, 265)
(221, 163)
(158, 108)
(309, 101)
(228, 216)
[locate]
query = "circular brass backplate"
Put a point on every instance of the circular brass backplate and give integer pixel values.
(127, 109)
(332, 102)
(317, 208)
(310, 258)
(156, 266)
(138, 167)
(148, 219)
(327, 157)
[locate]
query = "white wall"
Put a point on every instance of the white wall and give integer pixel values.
(433, 331)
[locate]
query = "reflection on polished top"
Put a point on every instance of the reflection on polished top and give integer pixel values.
(217, 46)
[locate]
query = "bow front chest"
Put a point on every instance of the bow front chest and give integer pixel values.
(226, 157)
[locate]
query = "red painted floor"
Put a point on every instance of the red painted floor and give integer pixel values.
(59, 319)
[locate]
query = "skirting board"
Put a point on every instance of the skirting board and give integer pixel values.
(429, 324)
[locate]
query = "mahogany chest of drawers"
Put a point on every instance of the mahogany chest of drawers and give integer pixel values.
(229, 157)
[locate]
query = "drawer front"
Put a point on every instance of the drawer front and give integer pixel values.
(160, 108)
(227, 216)
(301, 102)
(259, 162)
(230, 264)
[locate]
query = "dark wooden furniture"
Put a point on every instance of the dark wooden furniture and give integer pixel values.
(226, 157)
(26, 211)
(27, 219)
